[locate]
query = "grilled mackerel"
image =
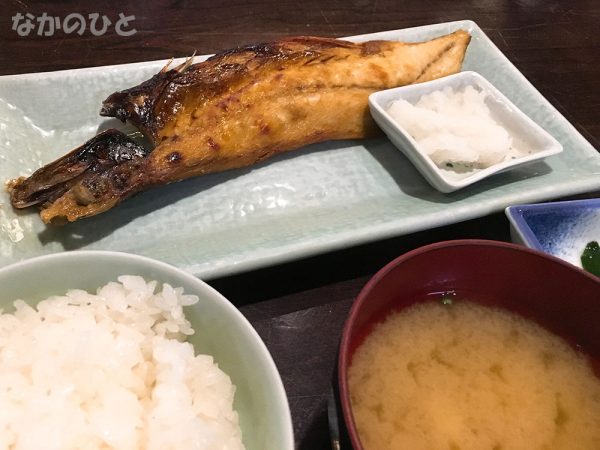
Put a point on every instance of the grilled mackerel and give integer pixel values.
(232, 110)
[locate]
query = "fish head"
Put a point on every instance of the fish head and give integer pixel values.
(143, 105)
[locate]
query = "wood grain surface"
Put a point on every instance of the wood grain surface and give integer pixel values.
(299, 308)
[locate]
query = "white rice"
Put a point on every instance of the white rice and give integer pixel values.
(110, 371)
(456, 129)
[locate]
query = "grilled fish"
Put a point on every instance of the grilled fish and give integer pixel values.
(232, 110)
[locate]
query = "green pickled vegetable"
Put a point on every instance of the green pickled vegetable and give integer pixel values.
(590, 258)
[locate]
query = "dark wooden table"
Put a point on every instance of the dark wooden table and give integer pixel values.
(299, 308)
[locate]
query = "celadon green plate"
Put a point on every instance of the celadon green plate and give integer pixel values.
(320, 198)
(221, 330)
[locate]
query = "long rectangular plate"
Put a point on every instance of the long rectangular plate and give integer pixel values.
(317, 199)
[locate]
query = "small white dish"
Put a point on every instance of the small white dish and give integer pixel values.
(519, 126)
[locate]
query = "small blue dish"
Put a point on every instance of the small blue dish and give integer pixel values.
(562, 229)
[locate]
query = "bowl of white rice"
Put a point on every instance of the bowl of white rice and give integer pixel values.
(108, 350)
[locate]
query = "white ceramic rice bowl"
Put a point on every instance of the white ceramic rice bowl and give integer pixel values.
(221, 330)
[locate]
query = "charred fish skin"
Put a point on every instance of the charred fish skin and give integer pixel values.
(244, 105)
(152, 103)
(139, 101)
(79, 171)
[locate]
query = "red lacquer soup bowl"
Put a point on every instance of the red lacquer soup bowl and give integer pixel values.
(562, 298)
